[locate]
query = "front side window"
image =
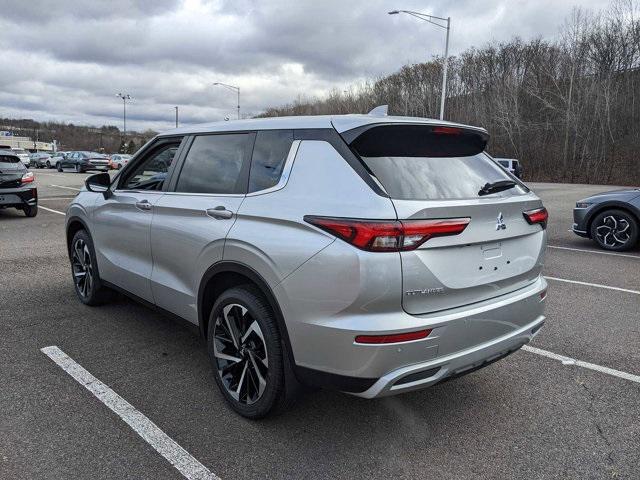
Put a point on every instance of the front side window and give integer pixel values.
(151, 173)
(215, 164)
(269, 155)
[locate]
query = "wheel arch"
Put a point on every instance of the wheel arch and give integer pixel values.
(614, 205)
(226, 274)
(74, 224)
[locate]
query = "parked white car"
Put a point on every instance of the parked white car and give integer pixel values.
(23, 155)
(511, 165)
(118, 160)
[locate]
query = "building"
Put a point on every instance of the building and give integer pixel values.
(8, 140)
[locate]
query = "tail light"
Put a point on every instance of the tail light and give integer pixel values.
(27, 178)
(388, 235)
(446, 130)
(394, 338)
(539, 215)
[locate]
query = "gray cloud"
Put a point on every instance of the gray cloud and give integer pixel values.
(69, 58)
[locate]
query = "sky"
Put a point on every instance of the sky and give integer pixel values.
(66, 60)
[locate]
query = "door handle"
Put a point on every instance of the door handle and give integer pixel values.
(220, 213)
(143, 205)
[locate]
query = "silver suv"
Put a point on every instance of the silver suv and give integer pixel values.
(369, 254)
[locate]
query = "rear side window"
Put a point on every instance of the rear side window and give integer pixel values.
(269, 155)
(429, 163)
(504, 163)
(215, 164)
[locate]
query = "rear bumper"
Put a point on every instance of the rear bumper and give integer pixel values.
(419, 376)
(18, 197)
(461, 340)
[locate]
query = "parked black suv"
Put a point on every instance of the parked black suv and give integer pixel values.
(17, 189)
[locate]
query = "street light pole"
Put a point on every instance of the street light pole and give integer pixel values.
(438, 22)
(233, 88)
(176, 107)
(124, 97)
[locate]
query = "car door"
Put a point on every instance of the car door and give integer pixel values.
(122, 220)
(193, 218)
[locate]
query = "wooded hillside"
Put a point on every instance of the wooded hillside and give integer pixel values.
(569, 109)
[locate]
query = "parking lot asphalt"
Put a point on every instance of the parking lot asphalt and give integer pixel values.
(527, 416)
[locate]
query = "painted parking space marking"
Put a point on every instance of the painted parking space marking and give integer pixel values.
(579, 363)
(597, 285)
(177, 456)
(55, 198)
(626, 255)
(68, 188)
(51, 210)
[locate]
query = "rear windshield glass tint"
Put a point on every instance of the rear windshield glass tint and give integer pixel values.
(437, 178)
(8, 159)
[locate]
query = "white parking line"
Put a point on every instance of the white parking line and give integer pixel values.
(55, 198)
(51, 210)
(149, 431)
(597, 285)
(68, 188)
(637, 257)
(591, 366)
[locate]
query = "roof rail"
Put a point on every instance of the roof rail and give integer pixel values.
(380, 111)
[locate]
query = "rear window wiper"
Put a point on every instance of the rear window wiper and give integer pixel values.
(498, 186)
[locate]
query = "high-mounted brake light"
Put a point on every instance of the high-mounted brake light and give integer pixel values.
(446, 130)
(388, 235)
(539, 215)
(394, 338)
(28, 177)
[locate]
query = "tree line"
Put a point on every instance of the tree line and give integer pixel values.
(107, 139)
(569, 109)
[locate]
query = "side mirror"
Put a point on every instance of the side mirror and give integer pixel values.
(99, 183)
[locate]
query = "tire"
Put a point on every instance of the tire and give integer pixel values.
(48, 164)
(118, 167)
(83, 259)
(78, 168)
(30, 210)
(58, 166)
(615, 230)
(261, 355)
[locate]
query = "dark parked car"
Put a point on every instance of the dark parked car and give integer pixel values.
(17, 189)
(611, 219)
(81, 162)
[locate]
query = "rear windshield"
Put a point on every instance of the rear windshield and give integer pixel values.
(437, 178)
(8, 159)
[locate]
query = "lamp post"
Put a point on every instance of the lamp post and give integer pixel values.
(124, 97)
(233, 88)
(176, 107)
(438, 22)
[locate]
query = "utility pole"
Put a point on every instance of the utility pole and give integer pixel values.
(124, 97)
(235, 89)
(438, 22)
(176, 107)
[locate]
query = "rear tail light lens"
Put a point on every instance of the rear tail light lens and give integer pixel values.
(395, 338)
(388, 235)
(28, 177)
(539, 215)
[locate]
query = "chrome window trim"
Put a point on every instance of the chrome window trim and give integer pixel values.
(286, 171)
(200, 194)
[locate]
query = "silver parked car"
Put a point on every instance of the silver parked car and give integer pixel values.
(369, 254)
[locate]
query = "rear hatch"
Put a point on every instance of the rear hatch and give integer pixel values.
(11, 171)
(438, 172)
